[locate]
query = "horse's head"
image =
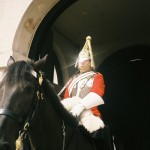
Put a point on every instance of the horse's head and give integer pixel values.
(17, 90)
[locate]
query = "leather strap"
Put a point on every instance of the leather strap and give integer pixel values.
(10, 114)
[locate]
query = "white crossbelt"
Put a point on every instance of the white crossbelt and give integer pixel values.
(76, 80)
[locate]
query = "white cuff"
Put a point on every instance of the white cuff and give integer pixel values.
(92, 100)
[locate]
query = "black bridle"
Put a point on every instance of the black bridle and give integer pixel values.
(10, 114)
(31, 114)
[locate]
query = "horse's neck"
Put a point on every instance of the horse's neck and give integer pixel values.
(47, 130)
(47, 126)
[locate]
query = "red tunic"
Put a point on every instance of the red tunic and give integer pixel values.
(97, 87)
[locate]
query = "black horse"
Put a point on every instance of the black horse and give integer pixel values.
(30, 108)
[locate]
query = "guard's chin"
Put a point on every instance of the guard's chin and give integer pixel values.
(82, 70)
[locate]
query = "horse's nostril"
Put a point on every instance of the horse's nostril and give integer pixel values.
(5, 146)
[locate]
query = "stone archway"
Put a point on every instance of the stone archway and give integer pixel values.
(29, 23)
(35, 24)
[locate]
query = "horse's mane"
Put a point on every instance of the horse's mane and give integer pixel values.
(57, 104)
(18, 73)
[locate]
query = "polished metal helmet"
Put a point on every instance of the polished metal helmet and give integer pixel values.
(86, 53)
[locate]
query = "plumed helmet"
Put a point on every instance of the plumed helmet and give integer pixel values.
(86, 53)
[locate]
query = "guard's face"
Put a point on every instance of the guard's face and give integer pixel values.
(84, 66)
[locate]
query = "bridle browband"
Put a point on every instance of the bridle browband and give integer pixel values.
(31, 114)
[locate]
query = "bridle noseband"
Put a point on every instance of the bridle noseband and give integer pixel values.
(10, 114)
(31, 114)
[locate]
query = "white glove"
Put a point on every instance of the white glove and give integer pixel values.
(69, 103)
(77, 109)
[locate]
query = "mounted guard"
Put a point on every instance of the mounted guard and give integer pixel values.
(83, 94)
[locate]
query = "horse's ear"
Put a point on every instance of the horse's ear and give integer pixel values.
(10, 61)
(39, 64)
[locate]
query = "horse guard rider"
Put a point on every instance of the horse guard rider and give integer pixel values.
(83, 92)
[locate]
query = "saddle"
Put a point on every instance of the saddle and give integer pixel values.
(102, 137)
